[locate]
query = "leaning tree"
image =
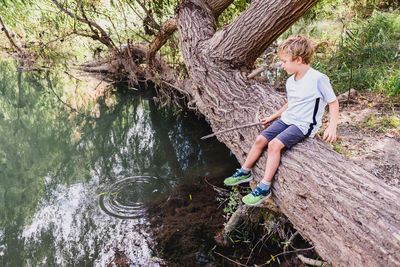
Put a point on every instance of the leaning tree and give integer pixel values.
(351, 217)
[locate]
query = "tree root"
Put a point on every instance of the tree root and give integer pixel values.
(311, 261)
(235, 218)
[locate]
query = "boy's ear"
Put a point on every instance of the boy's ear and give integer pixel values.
(299, 60)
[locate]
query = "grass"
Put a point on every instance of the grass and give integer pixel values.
(383, 123)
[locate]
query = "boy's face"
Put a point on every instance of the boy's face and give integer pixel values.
(289, 65)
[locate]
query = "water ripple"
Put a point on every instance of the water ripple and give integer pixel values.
(125, 199)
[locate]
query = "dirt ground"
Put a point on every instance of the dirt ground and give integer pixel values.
(369, 134)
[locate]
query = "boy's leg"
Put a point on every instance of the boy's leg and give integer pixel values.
(243, 174)
(274, 157)
(289, 137)
(255, 151)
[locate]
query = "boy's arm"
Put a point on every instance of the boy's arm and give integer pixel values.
(330, 131)
(274, 116)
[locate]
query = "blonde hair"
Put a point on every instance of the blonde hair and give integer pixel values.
(297, 46)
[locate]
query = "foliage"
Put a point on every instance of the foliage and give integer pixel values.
(393, 85)
(357, 40)
(232, 12)
(383, 123)
(234, 201)
(53, 36)
(366, 55)
(357, 43)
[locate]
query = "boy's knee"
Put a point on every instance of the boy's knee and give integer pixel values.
(261, 141)
(275, 145)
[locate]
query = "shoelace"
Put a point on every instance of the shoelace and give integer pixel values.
(258, 191)
(237, 173)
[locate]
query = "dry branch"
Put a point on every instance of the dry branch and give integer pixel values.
(235, 218)
(10, 39)
(311, 261)
(232, 129)
(103, 37)
(257, 71)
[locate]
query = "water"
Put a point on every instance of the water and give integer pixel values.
(77, 168)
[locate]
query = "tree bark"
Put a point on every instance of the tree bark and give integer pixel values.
(170, 26)
(351, 217)
(261, 23)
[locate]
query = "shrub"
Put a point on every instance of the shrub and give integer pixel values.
(366, 54)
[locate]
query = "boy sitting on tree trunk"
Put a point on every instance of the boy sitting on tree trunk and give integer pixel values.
(308, 92)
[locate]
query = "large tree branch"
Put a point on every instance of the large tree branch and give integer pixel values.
(262, 23)
(169, 27)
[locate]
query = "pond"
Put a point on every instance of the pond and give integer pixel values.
(78, 164)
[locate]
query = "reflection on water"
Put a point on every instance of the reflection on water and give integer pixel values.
(69, 228)
(73, 178)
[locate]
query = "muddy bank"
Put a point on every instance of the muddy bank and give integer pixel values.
(186, 226)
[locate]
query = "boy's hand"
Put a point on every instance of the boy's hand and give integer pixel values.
(330, 134)
(267, 121)
(330, 131)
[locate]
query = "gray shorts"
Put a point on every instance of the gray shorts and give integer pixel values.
(289, 135)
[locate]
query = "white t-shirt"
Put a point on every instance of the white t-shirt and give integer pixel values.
(307, 99)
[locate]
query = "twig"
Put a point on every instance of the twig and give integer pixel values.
(238, 263)
(312, 261)
(103, 37)
(59, 38)
(13, 44)
(256, 72)
(175, 87)
(290, 240)
(287, 252)
(216, 188)
(72, 76)
(232, 129)
(252, 250)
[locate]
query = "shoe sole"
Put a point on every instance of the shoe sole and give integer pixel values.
(242, 181)
(259, 202)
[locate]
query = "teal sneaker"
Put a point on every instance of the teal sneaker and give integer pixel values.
(238, 177)
(255, 197)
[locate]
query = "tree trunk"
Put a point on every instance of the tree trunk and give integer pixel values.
(351, 217)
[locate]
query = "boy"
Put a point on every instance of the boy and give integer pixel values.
(308, 92)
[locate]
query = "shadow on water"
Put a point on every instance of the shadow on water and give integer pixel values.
(74, 177)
